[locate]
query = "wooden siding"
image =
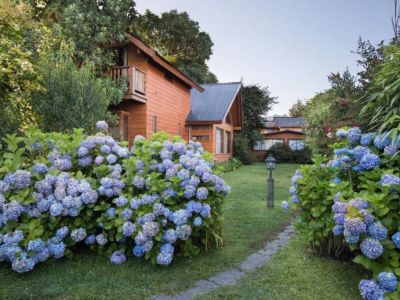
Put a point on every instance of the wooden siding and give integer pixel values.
(167, 99)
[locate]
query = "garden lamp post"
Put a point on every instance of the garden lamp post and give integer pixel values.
(270, 162)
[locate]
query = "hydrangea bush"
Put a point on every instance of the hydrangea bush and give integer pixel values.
(57, 191)
(351, 202)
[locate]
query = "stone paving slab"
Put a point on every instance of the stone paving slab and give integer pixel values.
(230, 277)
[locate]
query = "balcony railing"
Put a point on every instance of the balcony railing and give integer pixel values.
(136, 81)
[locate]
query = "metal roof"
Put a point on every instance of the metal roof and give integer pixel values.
(214, 102)
(286, 122)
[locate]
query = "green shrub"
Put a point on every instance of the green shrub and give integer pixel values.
(282, 153)
(228, 166)
(352, 202)
(241, 149)
(58, 191)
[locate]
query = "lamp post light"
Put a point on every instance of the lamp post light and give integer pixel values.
(270, 162)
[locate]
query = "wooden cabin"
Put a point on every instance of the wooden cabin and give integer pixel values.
(280, 130)
(215, 114)
(159, 97)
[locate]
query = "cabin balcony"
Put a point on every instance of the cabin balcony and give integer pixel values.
(136, 82)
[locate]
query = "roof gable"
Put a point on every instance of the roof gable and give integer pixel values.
(157, 58)
(214, 102)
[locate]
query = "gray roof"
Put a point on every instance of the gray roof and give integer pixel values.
(214, 102)
(286, 122)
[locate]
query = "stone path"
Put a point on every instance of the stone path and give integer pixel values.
(230, 277)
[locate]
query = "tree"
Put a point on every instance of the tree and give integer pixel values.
(73, 97)
(91, 25)
(297, 109)
(179, 40)
(18, 77)
(257, 101)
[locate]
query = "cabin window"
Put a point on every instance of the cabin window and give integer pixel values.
(140, 82)
(200, 128)
(296, 144)
(219, 141)
(227, 142)
(200, 138)
(154, 124)
(266, 144)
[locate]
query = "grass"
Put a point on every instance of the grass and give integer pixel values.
(295, 274)
(248, 223)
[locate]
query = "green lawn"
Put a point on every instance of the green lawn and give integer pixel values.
(248, 223)
(295, 274)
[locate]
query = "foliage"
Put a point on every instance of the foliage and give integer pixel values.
(331, 109)
(18, 77)
(257, 102)
(59, 191)
(297, 109)
(179, 40)
(352, 203)
(382, 102)
(283, 153)
(228, 166)
(91, 25)
(241, 149)
(73, 97)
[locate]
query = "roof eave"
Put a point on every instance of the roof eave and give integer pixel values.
(163, 63)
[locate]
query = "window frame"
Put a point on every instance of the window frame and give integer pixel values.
(297, 141)
(219, 141)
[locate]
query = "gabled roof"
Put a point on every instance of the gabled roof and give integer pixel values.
(158, 59)
(214, 102)
(285, 122)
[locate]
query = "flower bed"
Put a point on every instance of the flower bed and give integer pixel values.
(59, 190)
(351, 203)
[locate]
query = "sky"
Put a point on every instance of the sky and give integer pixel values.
(291, 46)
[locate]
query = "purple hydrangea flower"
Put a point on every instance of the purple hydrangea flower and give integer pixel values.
(377, 231)
(389, 179)
(355, 226)
(139, 182)
(102, 125)
(202, 193)
(40, 168)
(369, 290)
(285, 205)
(390, 150)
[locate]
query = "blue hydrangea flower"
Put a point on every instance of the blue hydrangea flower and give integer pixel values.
(197, 221)
(23, 264)
(110, 212)
(90, 240)
(128, 228)
(396, 239)
(85, 161)
(339, 219)
(78, 235)
(21, 179)
(381, 141)
(351, 238)
(40, 168)
(205, 210)
(341, 133)
(101, 239)
(99, 160)
(82, 151)
(180, 217)
(369, 161)
(387, 281)
(170, 236)
(165, 255)
(138, 251)
(118, 257)
(102, 125)
(371, 248)
(139, 182)
(285, 205)
(359, 203)
(111, 159)
(390, 150)
(369, 290)
(183, 232)
(56, 249)
(190, 191)
(338, 230)
(355, 226)
(377, 231)
(367, 138)
(389, 179)
(339, 207)
(202, 193)
(354, 135)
